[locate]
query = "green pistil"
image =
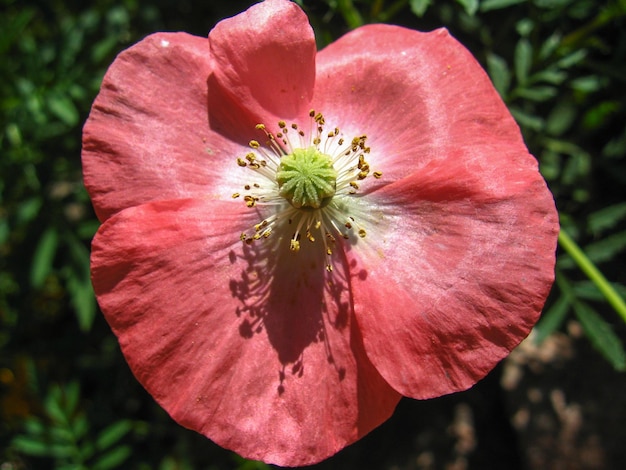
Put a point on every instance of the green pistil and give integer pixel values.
(306, 178)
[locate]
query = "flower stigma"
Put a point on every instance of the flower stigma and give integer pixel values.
(306, 180)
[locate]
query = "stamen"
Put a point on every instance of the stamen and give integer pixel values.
(304, 177)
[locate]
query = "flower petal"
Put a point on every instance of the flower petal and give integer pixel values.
(417, 96)
(458, 272)
(147, 136)
(259, 354)
(264, 59)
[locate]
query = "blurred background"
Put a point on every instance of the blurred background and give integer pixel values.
(67, 397)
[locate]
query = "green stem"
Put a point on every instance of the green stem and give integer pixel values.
(391, 11)
(350, 14)
(605, 16)
(593, 273)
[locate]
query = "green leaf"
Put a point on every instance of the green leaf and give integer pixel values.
(53, 407)
(87, 450)
(607, 248)
(34, 426)
(550, 165)
(113, 433)
(470, 6)
(62, 451)
(587, 84)
(499, 73)
(524, 27)
(552, 319)
(39, 448)
(551, 76)
(561, 118)
(600, 114)
(589, 291)
(64, 109)
(606, 218)
(489, 5)
(552, 4)
(601, 335)
(112, 459)
(419, 7)
(72, 396)
(80, 426)
(577, 166)
(87, 229)
(549, 46)
(538, 93)
(527, 120)
(83, 300)
(103, 48)
(523, 60)
(572, 59)
(29, 209)
(78, 283)
(31, 446)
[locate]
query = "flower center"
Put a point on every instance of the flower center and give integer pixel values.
(304, 185)
(306, 178)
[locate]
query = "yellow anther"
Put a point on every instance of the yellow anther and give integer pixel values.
(271, 156)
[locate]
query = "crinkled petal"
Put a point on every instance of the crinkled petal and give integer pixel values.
(264, 59)
(417, 96)
(458, 270)
(147, 136)
(257, 353)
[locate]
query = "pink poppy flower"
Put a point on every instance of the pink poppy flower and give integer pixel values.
(279, 287)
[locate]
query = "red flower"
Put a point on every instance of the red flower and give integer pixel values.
(405, 253)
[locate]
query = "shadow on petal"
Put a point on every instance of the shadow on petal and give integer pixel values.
(294, 299)
(227, 116)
